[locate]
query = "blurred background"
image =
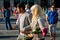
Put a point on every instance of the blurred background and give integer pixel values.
(31, 2)
(12, 34)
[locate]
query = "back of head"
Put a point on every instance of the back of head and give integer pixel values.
(37, 9)
(21, 5)
(27, 5)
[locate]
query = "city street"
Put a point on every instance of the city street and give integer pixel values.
(11, 6)
(13, 34)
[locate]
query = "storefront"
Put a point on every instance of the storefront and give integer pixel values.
(30, 2)
(16, 2)
(6, 3)
(57, 2)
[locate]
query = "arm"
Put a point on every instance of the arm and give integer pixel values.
(27, 22)
(56, 13)
(26, 27)
(56, 16)
(47, 19)
(4, 13)
(11, 13)
(40, 23)
(17, 23)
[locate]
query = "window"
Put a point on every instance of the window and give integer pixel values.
(57, 3)
(16, 2)
(31, 2)
(44, 3)
(25, 1)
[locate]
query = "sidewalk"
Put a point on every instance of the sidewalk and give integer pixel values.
(16, 32)
(9, 32)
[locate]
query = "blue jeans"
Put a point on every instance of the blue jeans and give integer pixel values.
(7, 23)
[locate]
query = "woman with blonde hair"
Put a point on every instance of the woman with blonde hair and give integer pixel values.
(36, 21)
(36, 11)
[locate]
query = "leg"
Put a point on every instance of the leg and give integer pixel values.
(9, 24)
(54, 31)
(50, 30)
(6, 24)
(54, 36)
(20, 37)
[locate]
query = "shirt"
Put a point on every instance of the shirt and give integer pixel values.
(7, 13)
(27, 10)
(21, 21)
(52, 17)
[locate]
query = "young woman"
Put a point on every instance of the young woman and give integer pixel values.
(36, 17)
(36, 11)
(22, 21)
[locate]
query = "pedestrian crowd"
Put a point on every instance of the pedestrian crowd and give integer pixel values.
(29, 19)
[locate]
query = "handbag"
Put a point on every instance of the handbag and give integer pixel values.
(44, 31)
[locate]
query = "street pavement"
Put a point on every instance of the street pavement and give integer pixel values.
(8, 38)
(13, 34)
(15, 38)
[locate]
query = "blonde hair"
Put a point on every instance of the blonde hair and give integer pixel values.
(37, 11)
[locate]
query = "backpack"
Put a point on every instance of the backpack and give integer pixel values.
(7, 13)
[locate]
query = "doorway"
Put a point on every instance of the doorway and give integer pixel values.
(6, 3)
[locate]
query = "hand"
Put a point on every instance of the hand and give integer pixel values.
(21, 31)
(14, 27)
(30, 35)
(25, 32)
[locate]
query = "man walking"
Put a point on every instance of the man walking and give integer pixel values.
(52, 18)
(7, 18)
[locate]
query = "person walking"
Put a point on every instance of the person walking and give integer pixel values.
(22, 21)
(52, 19)
(27, 8)
(37, 21)
(7, 18)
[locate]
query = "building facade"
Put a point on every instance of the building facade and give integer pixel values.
(15, 2)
